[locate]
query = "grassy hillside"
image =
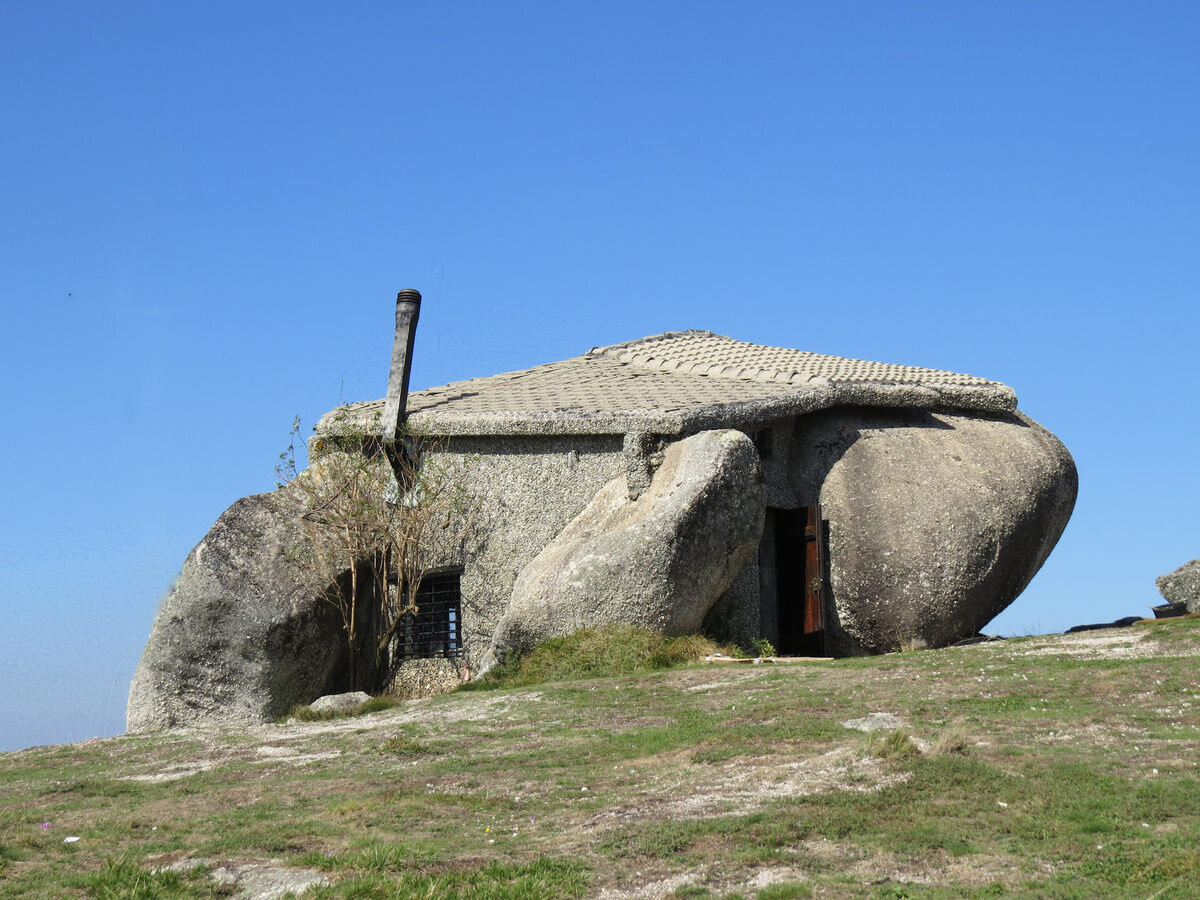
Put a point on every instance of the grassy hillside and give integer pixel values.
(1040, 767)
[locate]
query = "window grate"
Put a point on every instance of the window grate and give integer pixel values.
(435, 630)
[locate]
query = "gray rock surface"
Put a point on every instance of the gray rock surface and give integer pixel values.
(1182, 585)
(254, 880)
(936, 521)
(338, 703)
(877, 721)
(244, 634)
(659, 561)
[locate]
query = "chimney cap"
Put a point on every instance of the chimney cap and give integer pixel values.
(410, 294)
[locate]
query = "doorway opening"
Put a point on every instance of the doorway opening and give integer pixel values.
(791, 560)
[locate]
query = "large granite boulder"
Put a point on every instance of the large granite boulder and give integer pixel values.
(1182, 585)
(244, 634)
(936, 522)
(659, 561)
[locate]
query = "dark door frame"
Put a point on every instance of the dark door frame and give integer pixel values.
(792, 578)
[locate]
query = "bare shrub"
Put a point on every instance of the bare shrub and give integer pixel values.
(375, 514)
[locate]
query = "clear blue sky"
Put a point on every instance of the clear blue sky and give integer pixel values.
(208, 209)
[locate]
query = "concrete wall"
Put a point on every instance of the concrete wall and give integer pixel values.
(525, 490)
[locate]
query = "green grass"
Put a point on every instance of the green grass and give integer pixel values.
(121, 879)
(771, 892)
(1042, 774)
(543, 879)
(603, 652)
(405, 746)
(784, 892)
(7, 855)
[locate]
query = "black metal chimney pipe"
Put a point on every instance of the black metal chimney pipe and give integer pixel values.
(395, 409)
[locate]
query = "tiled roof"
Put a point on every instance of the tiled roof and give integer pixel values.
(705, 353)
(676, 382)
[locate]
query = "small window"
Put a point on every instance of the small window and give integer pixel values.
(435, 629)
(764, 441)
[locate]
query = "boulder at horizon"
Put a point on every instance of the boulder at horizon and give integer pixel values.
(1182, 585)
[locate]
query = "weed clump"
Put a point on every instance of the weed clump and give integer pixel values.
(895, 744)
(951, 742)
(597, 653)
(404, 746)
(763, 648)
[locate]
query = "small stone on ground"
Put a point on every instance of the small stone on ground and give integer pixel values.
(874, 722)
(255, 881)
(339, 703)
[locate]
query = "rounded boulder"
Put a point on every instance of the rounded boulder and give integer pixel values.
(245, 633)
(935, 522)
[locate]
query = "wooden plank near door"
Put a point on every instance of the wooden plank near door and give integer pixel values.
(813, 626)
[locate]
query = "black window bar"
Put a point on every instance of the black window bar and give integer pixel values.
(435, 630)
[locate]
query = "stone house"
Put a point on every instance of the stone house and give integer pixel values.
(685, 481)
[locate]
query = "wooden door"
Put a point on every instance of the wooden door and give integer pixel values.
(794, 587)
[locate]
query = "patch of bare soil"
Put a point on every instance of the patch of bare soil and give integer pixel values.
(867, 867)
(740, 785)
(173, 772)
(934, 868)
(288, 744)
(1110, 643)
